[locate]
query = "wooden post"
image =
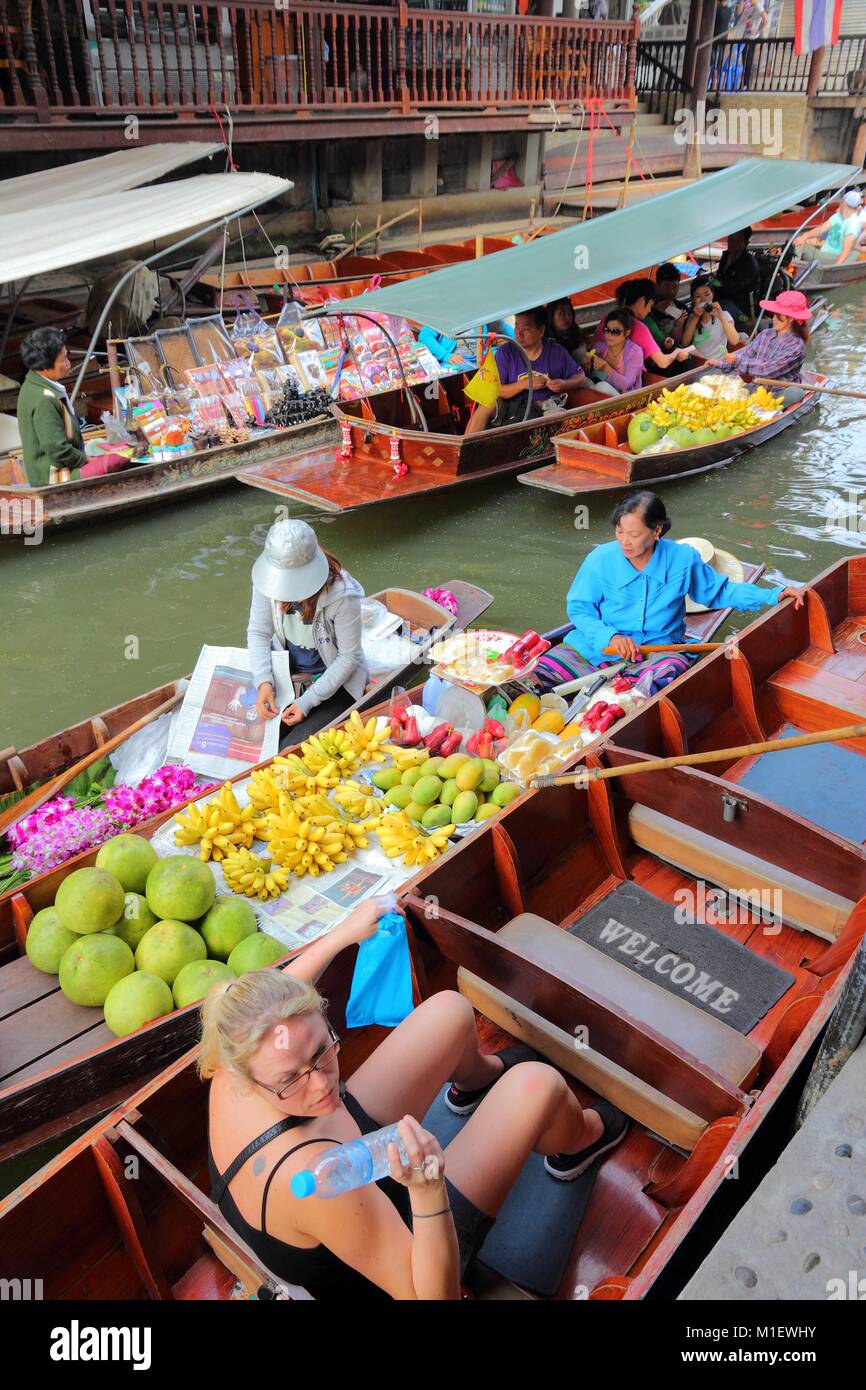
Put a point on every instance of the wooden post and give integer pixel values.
(698, 97)
(402, 29)
(815, 69)
(631, 65)
(29, 50)
(691, 45)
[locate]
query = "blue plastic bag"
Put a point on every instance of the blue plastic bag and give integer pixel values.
(382, 983)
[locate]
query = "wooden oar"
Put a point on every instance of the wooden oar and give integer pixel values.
(597, 774)
(672, 647)
(50, 789)
(807, 386)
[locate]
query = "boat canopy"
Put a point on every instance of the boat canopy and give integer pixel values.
(86, 230)
(460, 297)
(96, 178)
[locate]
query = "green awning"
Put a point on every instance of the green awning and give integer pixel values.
(460, 297)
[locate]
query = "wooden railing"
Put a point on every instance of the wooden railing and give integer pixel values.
(59, 57)
(752, 65)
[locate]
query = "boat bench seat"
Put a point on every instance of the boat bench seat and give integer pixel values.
(711, 1042)
(807, 906)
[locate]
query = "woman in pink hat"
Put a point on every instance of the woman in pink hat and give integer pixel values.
(779, 351)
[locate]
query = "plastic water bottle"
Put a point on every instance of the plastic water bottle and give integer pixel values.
(351, 1165)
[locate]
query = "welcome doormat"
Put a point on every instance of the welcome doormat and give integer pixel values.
(662, 943)
(823, 783)
(532, 1238)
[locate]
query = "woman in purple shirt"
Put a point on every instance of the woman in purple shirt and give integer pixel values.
(619, 365)
(554, 371)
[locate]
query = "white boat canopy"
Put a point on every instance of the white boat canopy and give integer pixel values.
(108, 173)
(81, 231)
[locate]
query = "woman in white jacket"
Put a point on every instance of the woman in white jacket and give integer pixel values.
(305, 603)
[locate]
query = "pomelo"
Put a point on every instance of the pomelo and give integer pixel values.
(255, 952)
(180, 888)
(130, 858)
(135, 1000)
(225, 925)
(91, 966)
(47, 939)
(136, 920)
(167, 947)
(196, 978)
(89, 900)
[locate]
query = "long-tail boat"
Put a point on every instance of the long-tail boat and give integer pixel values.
(813, 276)
(515, 927)
(392, 457)
(49, 1045)
(597, 457)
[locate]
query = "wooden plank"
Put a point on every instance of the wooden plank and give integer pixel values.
(70, 1051)
(35, 1032)
(820, 690)
(22, 984)
(122, 1199)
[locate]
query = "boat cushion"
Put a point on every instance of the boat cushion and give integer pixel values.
(807, 905)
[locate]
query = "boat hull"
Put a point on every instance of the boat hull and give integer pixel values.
(149, 485)
(813, 276)
(584, 467)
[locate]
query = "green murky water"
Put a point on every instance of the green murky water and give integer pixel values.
(175, 578)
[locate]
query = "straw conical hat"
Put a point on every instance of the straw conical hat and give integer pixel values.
(722, 561)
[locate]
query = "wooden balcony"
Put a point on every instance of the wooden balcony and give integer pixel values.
(76, 62)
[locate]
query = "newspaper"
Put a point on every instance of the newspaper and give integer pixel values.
(218, 731)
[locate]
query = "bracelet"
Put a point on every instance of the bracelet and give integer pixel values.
(428, 1215)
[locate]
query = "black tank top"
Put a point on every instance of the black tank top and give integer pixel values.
(316, 1269)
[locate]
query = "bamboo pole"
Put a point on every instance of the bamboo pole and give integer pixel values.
(807, 386)
(376, 231)
(45, 793)
(714, 755)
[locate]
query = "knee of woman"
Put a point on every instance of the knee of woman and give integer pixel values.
(452, 1009)
(534, 1080)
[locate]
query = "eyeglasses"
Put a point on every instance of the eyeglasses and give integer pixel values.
(297, 1083)
(614, 332)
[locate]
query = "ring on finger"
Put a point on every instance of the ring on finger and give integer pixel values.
(416, 1167)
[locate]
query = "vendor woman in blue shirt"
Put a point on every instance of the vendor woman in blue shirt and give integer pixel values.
(632, 592)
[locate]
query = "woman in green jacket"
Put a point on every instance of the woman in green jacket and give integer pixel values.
(50, 434)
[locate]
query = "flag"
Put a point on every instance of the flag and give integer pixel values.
(484, 386)
(816, 24)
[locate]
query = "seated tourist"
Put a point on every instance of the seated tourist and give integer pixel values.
(616, 366)
(706, 325)
(666, 307)
(277, 1103)
(632, 592)
(554, 372)
(562, 328)
(51, 437)
(638, 296)
(837, 240)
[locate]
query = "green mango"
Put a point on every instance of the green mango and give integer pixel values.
(386, 779)
(435, 817)
(464, 808)
(683, 437)
(491, 776)
(450, 766)
(399, 797)
(705, 435)
(505, 793)
(449, 792)
(413, 775)
(432, 766)
(426, 790)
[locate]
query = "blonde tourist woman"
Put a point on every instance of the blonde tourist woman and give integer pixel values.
(277, 1103)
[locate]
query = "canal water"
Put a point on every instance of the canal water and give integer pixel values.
(99, 614)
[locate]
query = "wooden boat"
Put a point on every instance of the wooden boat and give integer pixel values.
(54, 1044)
(438, 457)
(41, 1031)
(698, 1090)
(145, 485)
(596, 457)
(813, 276)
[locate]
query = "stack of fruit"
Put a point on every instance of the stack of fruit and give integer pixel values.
(546, 743)
(139, 936)
(698, 415)
(435, 792)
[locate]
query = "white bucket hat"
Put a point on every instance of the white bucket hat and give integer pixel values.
(292, 565)
(722, 561)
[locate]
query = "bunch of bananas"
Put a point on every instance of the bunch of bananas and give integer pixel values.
(355, 800)
(404, 758)
(264, 788)
(696, 411)
(253, 877)
(399, 838)
(219, 827)
(330, 746)
(367, 739)
(292, 774)
(312, 838)
(762, 399)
